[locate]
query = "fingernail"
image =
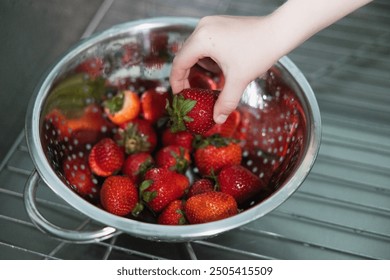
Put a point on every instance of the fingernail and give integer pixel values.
(221, 118)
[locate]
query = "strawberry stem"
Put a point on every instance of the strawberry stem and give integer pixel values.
(181, 162)
(139, 207)
(132, 140)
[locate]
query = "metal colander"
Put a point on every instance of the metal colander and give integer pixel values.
(279, 127)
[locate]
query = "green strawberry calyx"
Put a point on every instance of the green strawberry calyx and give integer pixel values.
(115, 103)
(178, 112)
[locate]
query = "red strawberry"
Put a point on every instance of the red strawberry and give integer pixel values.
(119, 195)
(153, 102)
(122, 107)
(192, 110)
(206, 74)
(57, 124)
(94, 67)
(214, 153)
(209, 207)
(106, 158)
(228, 128)
(78, 131)
(200, 186)
(136, 136)
(173, 157)
(239, 182)
(181, 138)
(200, 78)
(79, 176)
(90, 127)
(173, 214)
(161, 187)
(136, 165)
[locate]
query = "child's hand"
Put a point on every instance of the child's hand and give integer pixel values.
(244, 48)
(234, 44)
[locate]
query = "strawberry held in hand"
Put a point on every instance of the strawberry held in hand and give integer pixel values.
(192, 110)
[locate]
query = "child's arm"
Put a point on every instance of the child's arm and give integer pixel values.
(246, 47)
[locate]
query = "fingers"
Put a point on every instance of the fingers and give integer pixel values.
(188, 56)
(228, 99)
(178, 79)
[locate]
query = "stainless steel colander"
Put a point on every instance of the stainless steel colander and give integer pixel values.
(280, 126)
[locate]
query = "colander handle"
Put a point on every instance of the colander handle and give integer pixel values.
(44, 225)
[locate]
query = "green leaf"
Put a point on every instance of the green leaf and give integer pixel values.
(186, 106)
(145, 185)
(139, 207)
(149, 196)
(74, 93)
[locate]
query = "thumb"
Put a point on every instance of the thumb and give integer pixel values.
(228, 99)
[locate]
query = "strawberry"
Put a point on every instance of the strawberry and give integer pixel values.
(200, 186)
(122, 107)
(90, 127)
(200, 78)
(79, 176)
(106, 158)
(192, 110)
(239, 182)
(136, 136)
(136, 165)
(209, 207)
(94, 67)
(173, 214)
(119, 195)
(215, 152)
(56, 123)
(173, 157)
(228, 128)
(211, 78)
(181, 138)
(153, 102)
(161, 187)
(76, 132)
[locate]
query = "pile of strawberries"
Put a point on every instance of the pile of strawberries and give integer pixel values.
(143, 153)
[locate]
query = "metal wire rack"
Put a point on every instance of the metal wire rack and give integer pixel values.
(342, 211)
